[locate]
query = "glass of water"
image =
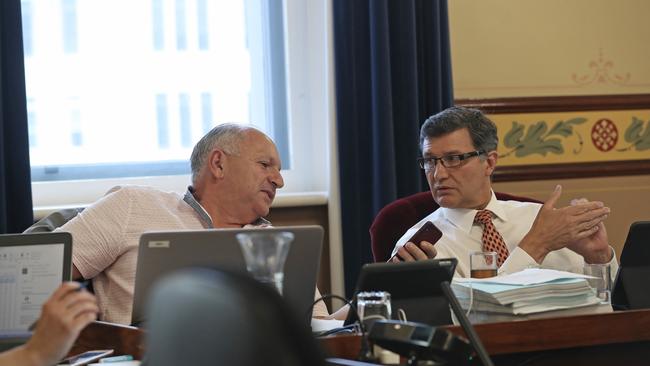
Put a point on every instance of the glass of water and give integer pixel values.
(373, 306)
(265, 254)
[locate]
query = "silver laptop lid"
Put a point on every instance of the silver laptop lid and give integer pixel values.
(163, 252)
(32, 266)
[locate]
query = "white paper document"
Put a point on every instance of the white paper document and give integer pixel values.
(529, 276)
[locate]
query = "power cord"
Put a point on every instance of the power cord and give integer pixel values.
(364, 353)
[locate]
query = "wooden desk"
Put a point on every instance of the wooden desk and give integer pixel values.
(125, 340)
(600, 339)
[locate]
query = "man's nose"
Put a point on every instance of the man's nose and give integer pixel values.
(439, 171)
(277, 180)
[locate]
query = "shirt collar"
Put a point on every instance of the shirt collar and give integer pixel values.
(463, 218)
(205, 217)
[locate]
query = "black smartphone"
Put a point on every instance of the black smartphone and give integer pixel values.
(428, 232)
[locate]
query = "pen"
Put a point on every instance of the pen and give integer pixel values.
(116, 359)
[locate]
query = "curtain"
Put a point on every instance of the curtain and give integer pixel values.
(392, 71)
(15, 180)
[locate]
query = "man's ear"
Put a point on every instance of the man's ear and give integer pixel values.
(491, 161)
(216, 163)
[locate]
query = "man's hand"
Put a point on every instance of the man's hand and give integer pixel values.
(62, 318)
(556, 228)
(594, 248)
(410, 252)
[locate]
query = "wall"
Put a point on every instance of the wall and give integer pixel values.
(557, 48)
(505, 48)
(627, 198)
(308, 215)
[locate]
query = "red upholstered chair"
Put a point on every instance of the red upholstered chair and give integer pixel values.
(397, 217)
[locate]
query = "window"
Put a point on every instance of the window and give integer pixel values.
(119, 91)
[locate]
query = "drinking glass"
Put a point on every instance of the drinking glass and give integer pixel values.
(265, 254)
(483, 264)
(600, 280)
(373, 306)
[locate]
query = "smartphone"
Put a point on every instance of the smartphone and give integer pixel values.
(428, 232)
(86, 357)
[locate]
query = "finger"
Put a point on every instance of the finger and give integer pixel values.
(429, 249)
(64, 289)
(581, 208)
(83, 320)
(404, 254)
(552, 200)
(591, 223)
(76, 296)
(395, 259)
(592, 215)
(579, 201)
(416, 252)
(587, 232)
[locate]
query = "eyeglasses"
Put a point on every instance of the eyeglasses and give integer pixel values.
(448, 161)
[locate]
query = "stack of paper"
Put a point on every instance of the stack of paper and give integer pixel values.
(530, 291)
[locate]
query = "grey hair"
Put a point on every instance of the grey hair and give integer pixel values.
(226, 136)
(481, 129)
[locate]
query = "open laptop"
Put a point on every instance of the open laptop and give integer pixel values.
(32, 266)
(163, 252)
(414, 287)
(631, 288)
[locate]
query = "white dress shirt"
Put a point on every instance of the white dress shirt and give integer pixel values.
(513, 220)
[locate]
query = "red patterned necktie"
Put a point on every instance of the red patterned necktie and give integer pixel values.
(492, 240)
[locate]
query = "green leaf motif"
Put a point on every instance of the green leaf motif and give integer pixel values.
(536, 139)
(541, 147)
(565, 128)
(633, 132)
(637, 136)
(513, 137)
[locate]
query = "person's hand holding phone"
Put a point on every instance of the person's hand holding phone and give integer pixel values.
(420, 246)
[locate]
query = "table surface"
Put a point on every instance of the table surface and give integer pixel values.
(630, 330)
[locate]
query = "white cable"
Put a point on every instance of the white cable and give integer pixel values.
(471, 299)
(401, 315)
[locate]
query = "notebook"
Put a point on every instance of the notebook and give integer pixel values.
(32, 266)
(631, 289)
(414, 287)
(163, 252)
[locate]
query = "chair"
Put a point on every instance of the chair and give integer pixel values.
(206, 317)
(54, 220)
(397, 217)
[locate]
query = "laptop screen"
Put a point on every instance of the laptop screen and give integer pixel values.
(32, 266)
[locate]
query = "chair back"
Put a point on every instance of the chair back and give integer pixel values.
(397, 217)
(207, 317)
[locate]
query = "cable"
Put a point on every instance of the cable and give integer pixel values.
(364, 353)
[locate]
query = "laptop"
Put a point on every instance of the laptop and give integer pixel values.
(32, 266)
(631, 288)
(165, 251)
(414, 287)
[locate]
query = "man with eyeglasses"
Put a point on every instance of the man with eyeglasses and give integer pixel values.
(458, 156)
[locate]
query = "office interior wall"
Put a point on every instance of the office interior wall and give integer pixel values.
(513, 48)
(308, 215)
(529, 48)
(627, 196)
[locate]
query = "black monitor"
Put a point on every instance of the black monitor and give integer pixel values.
(414, 287)
(631, 288)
